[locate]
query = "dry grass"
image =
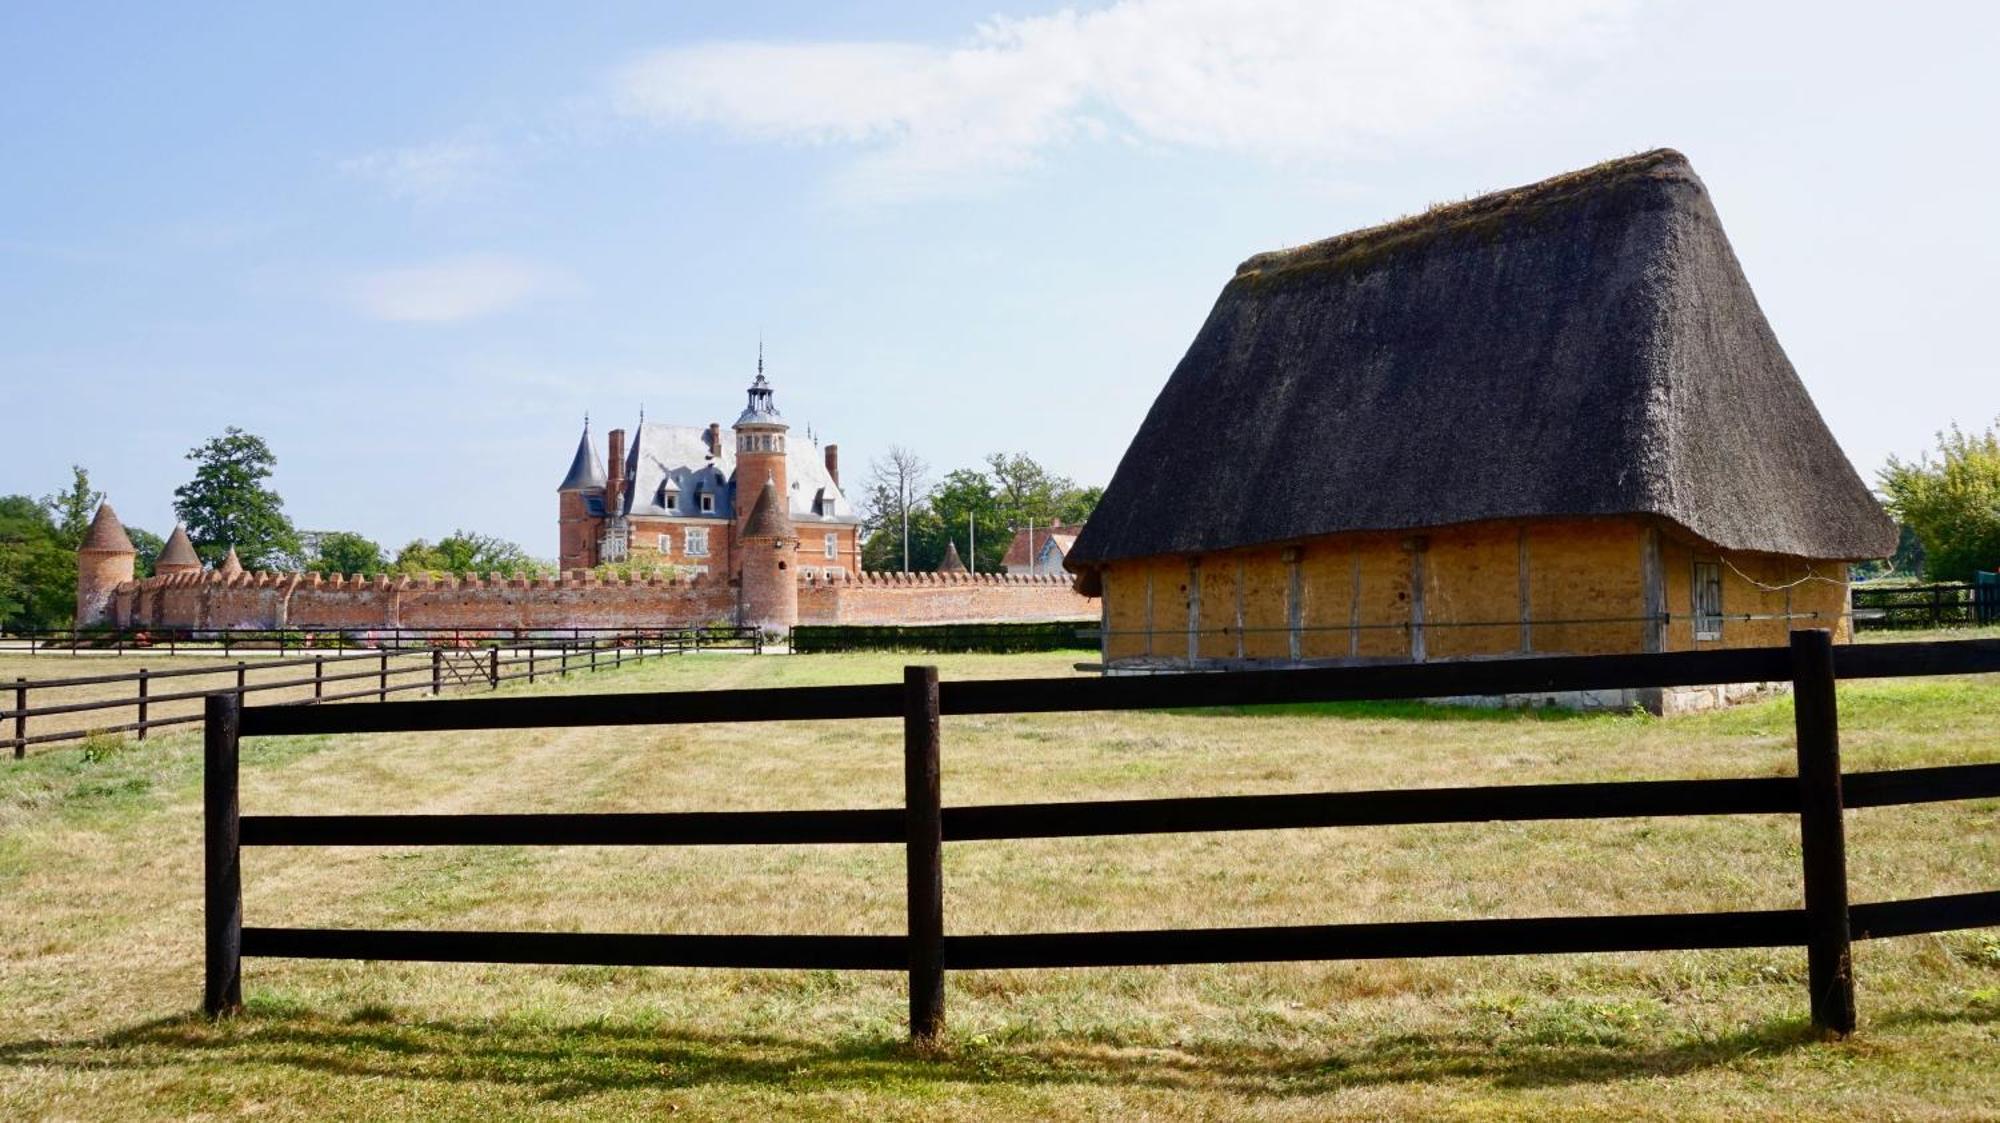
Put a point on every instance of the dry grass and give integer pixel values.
(100, 942)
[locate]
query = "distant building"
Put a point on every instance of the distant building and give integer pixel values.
(681, 495)
(1548, 420)
(1040, 550)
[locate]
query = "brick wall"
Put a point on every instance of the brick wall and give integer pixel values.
(272, 600)
(940, 598)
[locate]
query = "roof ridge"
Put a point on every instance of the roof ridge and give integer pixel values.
(1409, 231)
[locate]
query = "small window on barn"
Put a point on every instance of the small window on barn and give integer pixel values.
(1707, 600)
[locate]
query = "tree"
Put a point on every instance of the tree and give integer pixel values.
(1952, 504)
(897, 482)
(1075, 508)
(343, 551)
(227, 503)
(965, 501)
(148, 546)
(464, 552)
(73, 509)
(1025, 490)
(37, 571)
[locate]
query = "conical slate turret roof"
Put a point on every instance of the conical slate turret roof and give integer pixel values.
(951, 563)
(586, 471)
(768, 518)
(231, 564)
(107, 533)
(1587, 345)
(178, 553)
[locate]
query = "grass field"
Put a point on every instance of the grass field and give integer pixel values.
(100, 938)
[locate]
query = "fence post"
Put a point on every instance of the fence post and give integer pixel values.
(924, 856)
(142, 703)
(319, 677)
(1822, 834)
(493, 666)
(437, 671)
(239, 679)
(531, 664)
(382, 683)
(20, 717)
(563, 654)
(593, 654)
(222, 865)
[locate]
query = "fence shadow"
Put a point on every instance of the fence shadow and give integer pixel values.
(562, 1061)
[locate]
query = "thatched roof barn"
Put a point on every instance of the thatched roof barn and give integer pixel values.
(1586, 347)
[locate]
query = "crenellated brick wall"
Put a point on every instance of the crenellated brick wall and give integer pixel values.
(275, 600)
(940, 598)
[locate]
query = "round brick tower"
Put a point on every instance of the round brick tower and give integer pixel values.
(760, 454)
(178, 556)
(104, 562)
(577, 526)
(768, 594)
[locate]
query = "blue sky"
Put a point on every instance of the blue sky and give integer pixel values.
(411, 245)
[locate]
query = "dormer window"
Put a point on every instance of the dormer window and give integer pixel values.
(671, 500)
(707, 502)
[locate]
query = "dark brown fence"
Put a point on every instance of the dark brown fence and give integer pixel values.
(176, 641)
(1944, 604)
(472, 663)
(1825, 925)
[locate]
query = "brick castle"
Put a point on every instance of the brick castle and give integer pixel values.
(754, 531)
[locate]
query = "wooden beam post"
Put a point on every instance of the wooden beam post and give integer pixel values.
(222, 854)
(21, 714)
(437, 672)
(143, 707)
(1822, 834)
(925, 851)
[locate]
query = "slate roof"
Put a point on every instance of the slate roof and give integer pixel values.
(676, 457)
(1587, 345)
(586, 471)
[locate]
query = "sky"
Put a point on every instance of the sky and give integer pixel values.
(412, 246)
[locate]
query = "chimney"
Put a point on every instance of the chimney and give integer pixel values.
(614, 484)
(833, 463)
(715, 438)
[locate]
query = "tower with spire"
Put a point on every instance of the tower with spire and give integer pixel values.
(580, 504)
(105, 561)
(684, 497)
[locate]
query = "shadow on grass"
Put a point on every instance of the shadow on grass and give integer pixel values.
(566, 1061)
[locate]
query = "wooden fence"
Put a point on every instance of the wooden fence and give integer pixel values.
(474, 663)
(174, 641)
(1826, 925)
(1941, 604)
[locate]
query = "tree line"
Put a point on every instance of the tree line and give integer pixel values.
(910, 520)
(227, 503)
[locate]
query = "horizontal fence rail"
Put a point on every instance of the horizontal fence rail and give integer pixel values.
(386, 671)
(1818, 795)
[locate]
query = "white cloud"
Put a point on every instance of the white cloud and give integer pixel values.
(425, 173)
(1278, 79)
(461, 288)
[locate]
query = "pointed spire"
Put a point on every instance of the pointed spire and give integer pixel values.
(106, 533)
(951, 562)
(231, 564)
(768, 519)
(178, 555)
(586, 471)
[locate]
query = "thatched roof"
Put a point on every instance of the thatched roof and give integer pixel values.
(1587, 345)
(107, 533)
